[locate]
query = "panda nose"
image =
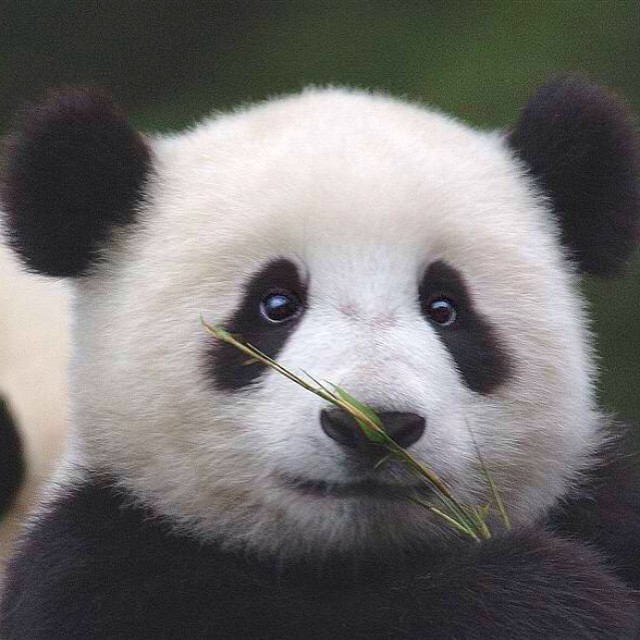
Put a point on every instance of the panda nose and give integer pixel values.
(404, 428)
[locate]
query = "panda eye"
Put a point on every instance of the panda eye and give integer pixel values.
(441, 311)
(279, 306)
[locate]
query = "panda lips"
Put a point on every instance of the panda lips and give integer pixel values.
(359, 489)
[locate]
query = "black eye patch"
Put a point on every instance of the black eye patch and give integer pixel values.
(471, 339)
(231, 369)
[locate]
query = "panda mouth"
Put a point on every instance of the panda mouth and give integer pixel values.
(359, 489)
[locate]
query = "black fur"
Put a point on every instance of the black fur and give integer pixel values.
(76, 169)
(231, 369)
(581, 146)
(12, 465)
(481, 360)
(606, 509)
(95, 567)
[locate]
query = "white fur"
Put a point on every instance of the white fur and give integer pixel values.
(363, 192)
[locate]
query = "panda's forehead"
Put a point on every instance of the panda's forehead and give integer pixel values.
(397, 188)
(333, 248)
(299, 209)
(338, 162)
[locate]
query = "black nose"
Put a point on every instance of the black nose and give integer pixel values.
(404, 428)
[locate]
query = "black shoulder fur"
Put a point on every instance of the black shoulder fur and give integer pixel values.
(95, 567)
(605, 511)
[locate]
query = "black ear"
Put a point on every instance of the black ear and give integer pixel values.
(74, 170)
(581, 145)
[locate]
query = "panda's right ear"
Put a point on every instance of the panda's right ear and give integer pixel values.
(74, 169)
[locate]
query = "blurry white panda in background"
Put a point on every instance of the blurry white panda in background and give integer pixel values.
(33, 351)
(428, 268)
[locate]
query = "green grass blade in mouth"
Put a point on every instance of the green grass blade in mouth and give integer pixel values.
(467, 520)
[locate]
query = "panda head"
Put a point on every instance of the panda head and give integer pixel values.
(426, 267)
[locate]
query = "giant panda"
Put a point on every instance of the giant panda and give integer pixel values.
(428, 268)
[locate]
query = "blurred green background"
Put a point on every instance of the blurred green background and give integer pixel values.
(170, 62)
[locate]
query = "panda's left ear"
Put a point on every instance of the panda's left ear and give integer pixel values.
(74, 170)
(581, 145)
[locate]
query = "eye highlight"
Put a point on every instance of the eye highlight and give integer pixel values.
(279, 306)
(441, 310)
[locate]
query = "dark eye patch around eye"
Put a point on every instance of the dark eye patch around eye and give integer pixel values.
(230, 368)
(471, 340)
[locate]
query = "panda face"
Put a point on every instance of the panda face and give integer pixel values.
(373, 244)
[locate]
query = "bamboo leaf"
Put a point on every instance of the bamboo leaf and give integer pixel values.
(469, 520)
(363, 408)
(375, 435)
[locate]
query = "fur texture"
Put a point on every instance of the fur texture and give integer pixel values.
(201, 490)
(74, 171)
(605, 509)
(480, 358)
(34, 340)
(229, 367)
(581, 145)
(161, 585)
(325, 181)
